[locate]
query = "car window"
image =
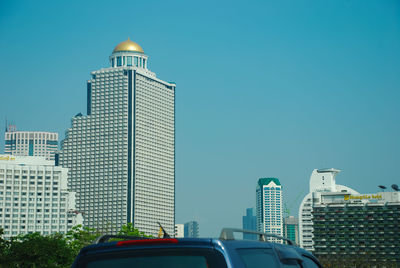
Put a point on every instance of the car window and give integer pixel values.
(258, 257)
(152, 261)
(309, 263)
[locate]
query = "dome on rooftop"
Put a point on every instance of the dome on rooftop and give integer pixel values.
(128, 45)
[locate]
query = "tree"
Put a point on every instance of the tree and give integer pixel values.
(79, 237)
(128, 229)
(35, 250)
(4, 247)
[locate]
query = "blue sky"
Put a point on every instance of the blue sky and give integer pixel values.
(264, 88)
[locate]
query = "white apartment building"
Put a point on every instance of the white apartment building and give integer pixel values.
(321, 181)
(179, 230)
(269, 206)
(121, 155)
(30, 143)
(34, 197)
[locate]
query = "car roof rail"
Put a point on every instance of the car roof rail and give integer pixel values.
(105, 238)
(227, 234)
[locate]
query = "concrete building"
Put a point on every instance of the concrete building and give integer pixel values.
(191, 229)
(291, 228)
(358, 228)
(269, 207)
(34, 197)
(30, 143)
(321, 181)
(249, 222)
(121, 155)
(179, 230)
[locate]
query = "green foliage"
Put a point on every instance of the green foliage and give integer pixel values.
(35, 250)
(79, 237)
(55, 250)
(128, 229)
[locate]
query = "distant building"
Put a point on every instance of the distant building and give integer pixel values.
(191, 229)
(121, 155)
(353, 227)
(34, 197)
(250, 223)
(269, 207)
(179, 230)
(291, 228)
(30, 143)
(321, 181)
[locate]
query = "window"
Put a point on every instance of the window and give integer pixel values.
(119, 61)
(257, 257)
(129, 61)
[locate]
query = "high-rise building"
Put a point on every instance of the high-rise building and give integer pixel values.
(249, 222)
(191, 229)
(30, 143)
(121, 155)
(321, 181)
(269, 207)
(179, 230)
(291, 228)
(34, 197)
(359, 230)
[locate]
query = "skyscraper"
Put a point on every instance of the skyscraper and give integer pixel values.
(269, 206)
(30, 143)
(121, 156)
(250, 223)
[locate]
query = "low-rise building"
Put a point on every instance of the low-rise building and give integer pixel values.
(34, 197)
(179, 230)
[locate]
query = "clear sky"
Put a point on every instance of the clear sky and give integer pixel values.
(264, 88)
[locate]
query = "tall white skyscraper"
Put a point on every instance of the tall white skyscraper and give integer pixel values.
(121, 156)
(30, 143)
(34, 197)
(269, 207)
(321, 181)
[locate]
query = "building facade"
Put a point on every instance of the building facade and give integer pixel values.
(358, 229)
(269, 207)
(191, 229)
(179, 230)
(30, 143)
(121, 155)
(249, 222)
(321, 181)
(291, 228)
(34, 197)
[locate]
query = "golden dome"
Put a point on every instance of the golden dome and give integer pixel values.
(128, 45)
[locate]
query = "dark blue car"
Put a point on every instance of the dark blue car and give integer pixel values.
(196, 253)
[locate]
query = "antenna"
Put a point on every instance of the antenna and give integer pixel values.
(395, 187)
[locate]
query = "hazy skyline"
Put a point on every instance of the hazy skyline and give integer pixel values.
(264, 89)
